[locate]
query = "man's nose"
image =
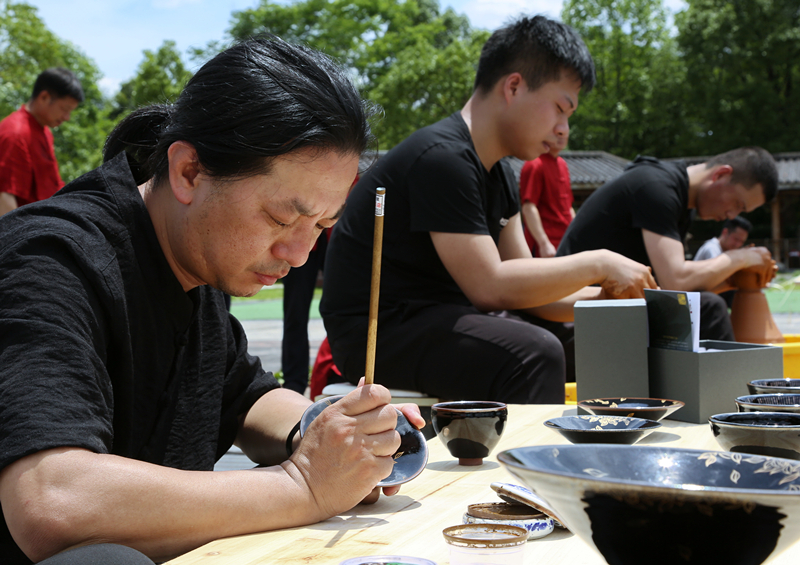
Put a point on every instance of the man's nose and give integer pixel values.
(293, 250)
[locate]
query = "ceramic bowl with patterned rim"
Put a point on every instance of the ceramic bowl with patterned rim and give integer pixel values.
(769, 403)
(671, 505)
(771, 386)
(647, 408)
(602, 429)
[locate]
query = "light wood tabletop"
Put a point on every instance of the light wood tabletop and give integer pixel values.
(411, 522)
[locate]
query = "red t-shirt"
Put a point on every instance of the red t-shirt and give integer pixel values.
(28, 167)
(544, 182)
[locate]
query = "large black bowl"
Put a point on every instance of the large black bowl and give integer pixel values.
(664, 506)
(776, 434)
(602, 429)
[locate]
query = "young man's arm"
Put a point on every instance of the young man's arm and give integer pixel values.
(533, 223)
(503, 278)
(65, 497)
(674, 272)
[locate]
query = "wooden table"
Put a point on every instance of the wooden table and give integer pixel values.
(411, 522)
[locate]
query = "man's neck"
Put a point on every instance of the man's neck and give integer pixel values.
(477, 113)
(29, 107)
(698, 175)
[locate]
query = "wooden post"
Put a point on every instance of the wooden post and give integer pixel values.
(776, 229)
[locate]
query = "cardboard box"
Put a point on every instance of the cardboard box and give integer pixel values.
(710, 381)
(611, 348)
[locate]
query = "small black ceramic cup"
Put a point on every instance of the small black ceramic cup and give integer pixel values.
(470, 429)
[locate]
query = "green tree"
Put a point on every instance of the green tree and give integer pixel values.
(27, 47)
(638, 104)
(159, 79)
(743, 62)
(415, 60)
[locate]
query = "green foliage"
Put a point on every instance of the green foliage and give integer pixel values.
(159, 79)
(410, 57)
(638, 104)
(27, 47)
(743, 63)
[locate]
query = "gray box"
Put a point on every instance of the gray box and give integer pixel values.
(611, 349)
(710, 381)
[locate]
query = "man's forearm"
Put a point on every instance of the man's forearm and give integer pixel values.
(62, 498)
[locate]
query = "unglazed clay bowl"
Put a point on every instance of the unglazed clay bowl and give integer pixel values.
(664, 506)
(773, 386)
(769, 403)
(517, 514)
(776, 434)
(469, 429)
(646, 408)
(409, 459)
(602, 429)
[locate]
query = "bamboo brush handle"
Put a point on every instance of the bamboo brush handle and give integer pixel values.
(375, 286)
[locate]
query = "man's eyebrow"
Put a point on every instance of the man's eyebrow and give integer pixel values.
(303, 210)
(571, 102)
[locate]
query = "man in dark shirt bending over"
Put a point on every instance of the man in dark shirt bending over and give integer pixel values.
(122, 376)
(644, 214)
(453, 247)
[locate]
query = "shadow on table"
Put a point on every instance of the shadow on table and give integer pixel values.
(659, 437)
(453, 467)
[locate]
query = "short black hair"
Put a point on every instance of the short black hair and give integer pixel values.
(751, 166)
(738, 222)
(539, 49)
(59, 82)
(257, 100)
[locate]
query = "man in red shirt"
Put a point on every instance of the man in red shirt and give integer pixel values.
(546, 197)
(28, 167)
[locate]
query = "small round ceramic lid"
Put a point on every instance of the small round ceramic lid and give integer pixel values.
(387, 560)
(485, 535)
(516, 493)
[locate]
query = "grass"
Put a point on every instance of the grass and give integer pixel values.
(267, 304)
(783, 295)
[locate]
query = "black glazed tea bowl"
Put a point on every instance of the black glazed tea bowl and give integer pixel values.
(654, 409)
(772, 386)
(602, 429)
(769, 403)
(776, 434)
(409, 459)
(664, 506)
(469, 429)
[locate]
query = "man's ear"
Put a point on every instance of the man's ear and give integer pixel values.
(184, 170)
(721, 171)
(511, 86)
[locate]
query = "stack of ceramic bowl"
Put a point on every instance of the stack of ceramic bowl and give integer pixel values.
(767, 423)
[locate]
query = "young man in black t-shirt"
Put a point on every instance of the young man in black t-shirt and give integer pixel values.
(644, 214)
(453, 248)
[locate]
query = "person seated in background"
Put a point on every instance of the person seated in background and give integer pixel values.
(122, 376)
(453, 246)
(644, 214)
(734, 234)
(28, 167)
(546, 196)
